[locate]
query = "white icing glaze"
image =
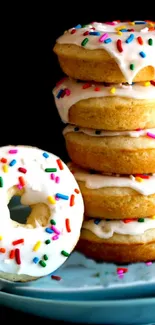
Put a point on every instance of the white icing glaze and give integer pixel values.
(91, 132)
(77, 93)
(97, 181)
(106, 229)
(38, 187)
(130, 54)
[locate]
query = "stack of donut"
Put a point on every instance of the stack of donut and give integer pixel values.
(107, 101)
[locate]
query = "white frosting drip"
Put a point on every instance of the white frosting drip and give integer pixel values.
(97, 181)
(91, 132)
(38, 186)
(77, 93)
(130, 54)
(106, 229)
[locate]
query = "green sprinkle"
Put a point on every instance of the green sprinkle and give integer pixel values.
(1, 182)
(141, 220)
(45, 257)
(150, 41)
(42, 263)
(52, 222)
(132, 66)
(49, 170)
(85, 41)
(83, 26)
(65, 253)
(47, 241)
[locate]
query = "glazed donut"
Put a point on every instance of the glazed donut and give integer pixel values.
(115, 196)
(37, 248)
(102, 106)
(123, 152)
(119, 242)
(108, 52)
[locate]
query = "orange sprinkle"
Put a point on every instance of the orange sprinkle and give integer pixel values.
(60, 165)
(12, 254)
(127, 220)
(3, 160)
(76, 191)
(2, 250)
(21, 180)
(68, 225)
(72, 200)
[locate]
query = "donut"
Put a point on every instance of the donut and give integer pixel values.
(115, 196)
(110, 52)
(119, 242)
(123, 152)
(44, 182)
(102, 106)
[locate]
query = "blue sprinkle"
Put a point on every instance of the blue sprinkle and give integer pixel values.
(62, 196)
(12, 162)
(97, 221)
(49, 230)
(95, 33)
(36, 260)
(45, 154)
(78, 26)
(59, 93)
(123, 30)
(108, 40)
(130, 38)
(142, 54)
(140, 22)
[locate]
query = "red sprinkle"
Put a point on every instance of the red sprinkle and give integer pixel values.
(124, 269)
(60, 81)
(22, 170)
(140, 40)
(56, 277)
(76, 191)
(86, 85)
(142, 176)
(12, 254)
(21, 181)
(85, 33)
(19, 241)
(153, 82)
(119, 46)
(68, 225)
(3, 160)
(17, 256)
(60, 165)
(72, 200)
(2, 250)
(67, 92)
(73, 31)
(127, 220)
(97, 88)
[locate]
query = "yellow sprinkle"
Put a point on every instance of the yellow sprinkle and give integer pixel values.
(5, 168)
(1, 237)
(37, 246)
(121, 27)
(153, 217)
(119, 33)
(139, 179)
(113, 90)
(147, 83)
(51, 200)
(151, 24)
(132, 23)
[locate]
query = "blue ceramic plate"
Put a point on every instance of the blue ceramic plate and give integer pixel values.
(114, 312)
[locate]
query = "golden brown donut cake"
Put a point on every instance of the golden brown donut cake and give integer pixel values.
(115, 196)
(128, 152)
(106, 107)
(108, 52)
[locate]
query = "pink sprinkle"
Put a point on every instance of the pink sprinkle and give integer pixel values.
(148, 263)
(120, 272)
(61, 81)
(103, 37)
(12, 151)
(55, 230)
(57, 179)
(52, 177)
(67, 91)
(19, 186)
(56, 198)
(121, 276)
(112, 23)
(55, 237)
(151, 135)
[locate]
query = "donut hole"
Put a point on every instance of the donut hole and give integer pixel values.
(29, 216)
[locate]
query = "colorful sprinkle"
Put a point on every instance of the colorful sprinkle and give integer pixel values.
(78, 26)
(1, 237)
(56, 277)
(4, 160)
(147, 83)
(127, 220)
(152, 82)
(140, 40)
(37, 246)
(141, 220)
(72, 200)
(85, 41)
(97, 221)
(55, 230)
(45, 257)
(49, 230)
(150, 41)
(132, 66)
(52, 176)
(2, 250)
(130, 39)
(62, 196)
(68, 225)
(21, 181)
(35, 260)
(52, 222)
(86, 85)
(123, 269)
(59, 93)
(47, 242)
(142, 54)
(151, 135)
(51, 200)
(57, 179)
(94, 33)
(113, 90)
(64, 253)
(12, 254)
(42, 263)
(18, 241)
(139, 179)
(60, 164)
(45, 155)
(22, 170)
(13, 162)
(76, 191)
(143, 176)
(50, 170)
(5, 168)
(119, 45)
(108, 40)
(103, 37)
(148, 263)
(55, 237)
(13, 151)
(17, 256)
